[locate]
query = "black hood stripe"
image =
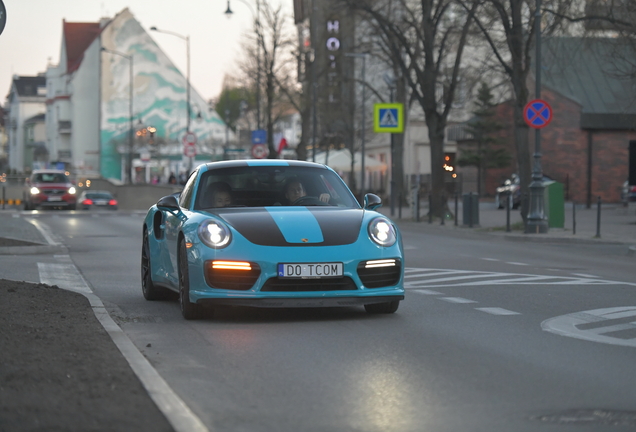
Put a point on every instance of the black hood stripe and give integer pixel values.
(339, 226)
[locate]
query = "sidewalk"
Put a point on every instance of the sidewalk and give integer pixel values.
(617, 223)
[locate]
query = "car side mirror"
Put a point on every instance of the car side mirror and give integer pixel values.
(170, 204)
(372, 202)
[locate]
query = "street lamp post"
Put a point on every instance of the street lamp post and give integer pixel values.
(363, 56)
(228, 13)
(188, 86)
(537, 223)
(130, 108)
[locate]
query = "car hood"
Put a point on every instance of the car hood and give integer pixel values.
(51, 185)
(295, 226)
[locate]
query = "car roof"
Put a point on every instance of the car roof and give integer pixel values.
(48, 171)
(262, 162)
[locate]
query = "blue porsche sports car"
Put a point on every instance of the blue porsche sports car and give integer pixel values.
(271, 233)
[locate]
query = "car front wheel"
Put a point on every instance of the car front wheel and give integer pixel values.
(382, 308)
(189, 310)
(149, 290)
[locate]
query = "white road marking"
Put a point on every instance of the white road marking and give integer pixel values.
(497, 311)
(427, 292)
(65, 276)
(459, 300)
(584, 275)
(46, 232)
(517, 263)
(182, 419)
(426, 278)
(490, 259)
(615, 326)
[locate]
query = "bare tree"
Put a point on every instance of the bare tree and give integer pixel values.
(508, 28)
(427, 39)
(268, 54)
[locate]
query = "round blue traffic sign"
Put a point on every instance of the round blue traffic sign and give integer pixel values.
(537, 114)
(3, 16)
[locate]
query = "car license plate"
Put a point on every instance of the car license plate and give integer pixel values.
(310, 270)
(101, 202)
(54, 198)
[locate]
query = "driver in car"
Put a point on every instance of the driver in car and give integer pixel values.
(294, 190)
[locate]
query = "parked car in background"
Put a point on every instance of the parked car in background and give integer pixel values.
(49, 189)
(97, 199)
(509, 192)
(628, 193)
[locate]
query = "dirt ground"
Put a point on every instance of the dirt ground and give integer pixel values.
(60, 370)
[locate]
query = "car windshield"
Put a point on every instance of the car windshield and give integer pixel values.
(50, 178)
(272, 186)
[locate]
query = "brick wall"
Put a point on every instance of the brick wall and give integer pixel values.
(564, 148)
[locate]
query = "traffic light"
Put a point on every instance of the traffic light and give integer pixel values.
(449, 164)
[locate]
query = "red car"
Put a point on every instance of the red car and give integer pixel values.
(49, 188)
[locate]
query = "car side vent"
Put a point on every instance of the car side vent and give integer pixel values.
(380, 273)
(157, 225)
(232, 279)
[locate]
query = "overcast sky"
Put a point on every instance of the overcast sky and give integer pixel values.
(33, 35)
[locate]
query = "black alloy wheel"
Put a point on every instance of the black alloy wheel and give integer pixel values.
(190, 311)
(148, 288)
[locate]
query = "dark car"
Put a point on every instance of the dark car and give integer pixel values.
(97, 199)
(49, 189)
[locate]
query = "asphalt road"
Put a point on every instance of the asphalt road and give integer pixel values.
(494, 335)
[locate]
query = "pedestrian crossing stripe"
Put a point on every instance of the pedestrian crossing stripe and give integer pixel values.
(426, 278)
(388, 118)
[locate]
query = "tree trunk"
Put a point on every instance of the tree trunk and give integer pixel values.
(439, 204)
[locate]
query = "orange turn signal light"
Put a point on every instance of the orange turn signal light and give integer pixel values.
(231, 265)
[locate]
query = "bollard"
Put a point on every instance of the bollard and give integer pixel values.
(3, 196)
(598, 218)
(417, 206)
(573, 218)
(508, 205)
(456, 204)
(400, 206)
(430, 209)
(470, 219)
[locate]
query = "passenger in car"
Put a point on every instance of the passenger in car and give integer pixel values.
(294, 190)
(218, 194)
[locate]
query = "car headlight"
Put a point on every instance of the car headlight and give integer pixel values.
(382, 232)
(215, 234)
(72, 190)
(34, 191)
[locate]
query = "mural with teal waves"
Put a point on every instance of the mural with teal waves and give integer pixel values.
(159, 96)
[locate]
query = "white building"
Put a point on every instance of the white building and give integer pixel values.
(26, 100)
(90, 102)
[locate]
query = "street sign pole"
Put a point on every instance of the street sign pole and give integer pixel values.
(536, 222)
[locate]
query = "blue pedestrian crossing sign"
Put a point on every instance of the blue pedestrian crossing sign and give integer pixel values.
(388, 117)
